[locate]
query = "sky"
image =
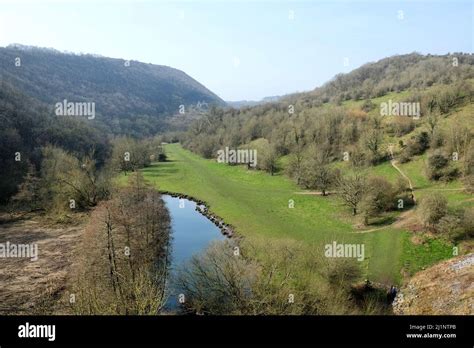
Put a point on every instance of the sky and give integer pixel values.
(244, 50)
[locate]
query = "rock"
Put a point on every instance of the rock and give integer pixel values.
(446, 288)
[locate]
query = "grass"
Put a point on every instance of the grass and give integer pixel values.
(257, 204)
(416, 257)
(453, 191)
(384, 169)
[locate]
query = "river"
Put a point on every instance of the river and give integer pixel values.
(191, 233)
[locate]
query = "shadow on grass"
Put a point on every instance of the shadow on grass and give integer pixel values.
(383, 221)
(160, 169)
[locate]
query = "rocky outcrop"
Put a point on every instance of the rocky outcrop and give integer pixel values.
(443, 289)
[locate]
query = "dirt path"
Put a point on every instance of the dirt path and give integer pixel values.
(404, 218)
(394, 165)
(33, 287)
(315, 193)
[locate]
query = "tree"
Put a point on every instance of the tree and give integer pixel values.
(432, 122)
(268, 158)
(459, 137)
(129, 154)
(372, 140)
(316, 174)
(382, 191)
(218, 282)
(418, 144)
(432, 208)
(379, 197)
(369, 208)
(124, 266)
(64, 177)
(351, 188)
(28, 196)
(295, 165)
(437, 161)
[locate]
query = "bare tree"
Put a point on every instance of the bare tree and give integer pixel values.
(351, 188)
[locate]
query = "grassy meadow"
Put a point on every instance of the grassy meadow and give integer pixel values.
(258, 206)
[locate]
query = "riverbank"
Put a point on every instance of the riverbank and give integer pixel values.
(256, 206)
(203, 208)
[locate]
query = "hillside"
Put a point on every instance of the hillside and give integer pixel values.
(27, 126)
(130, 97)
(400, 167)
(444, 289)
(392, 74)
(248, 103)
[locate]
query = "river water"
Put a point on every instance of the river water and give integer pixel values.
(191, 233)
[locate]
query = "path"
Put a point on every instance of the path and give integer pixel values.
(393, 162)
(402, 219)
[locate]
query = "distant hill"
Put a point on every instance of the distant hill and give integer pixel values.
(323, 116)
(245, 103)
(392, 74)
(130, 97)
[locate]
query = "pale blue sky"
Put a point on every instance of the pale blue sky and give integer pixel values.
(244, 49)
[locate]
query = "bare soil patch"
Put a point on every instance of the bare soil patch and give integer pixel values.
(35, 287)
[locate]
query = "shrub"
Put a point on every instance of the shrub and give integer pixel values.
(418, 144)
(468, 222)
(450, 225)
(368, 105)
(469, 183)
(383, 193)
(437, 160)
(431, 209)
(404, 157)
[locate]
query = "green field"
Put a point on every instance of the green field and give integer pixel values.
(452, 191)
(257, 204)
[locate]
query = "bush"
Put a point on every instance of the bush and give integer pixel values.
(162, 157)
(383, 193)
(368, 106)
(418, 144)
(459, 225)
(431, 209)
(469, 183)
(450, 225)
(468, 222)
(404, 157)
(437, 160)
(402, 125)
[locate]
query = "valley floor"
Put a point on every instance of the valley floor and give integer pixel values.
(35, 287)
(258, 205)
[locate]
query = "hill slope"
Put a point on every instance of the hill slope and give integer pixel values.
(130, 97)
(445, 288)
(391, 74)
